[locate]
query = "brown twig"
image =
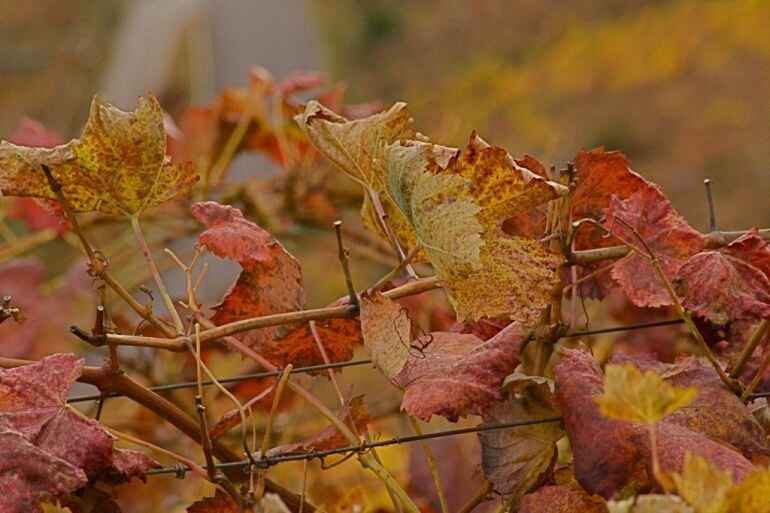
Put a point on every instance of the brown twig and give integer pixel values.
(344, 256)
(748, 349)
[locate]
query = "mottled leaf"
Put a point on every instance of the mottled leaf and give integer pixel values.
(635, 397)
(561, 499)
(612, 456)
(219, 503)
(271, 280)
(730, 283)
(457, 203)
(338, 336)
(358, 148)
(117, 166)
(455, 374)
(517, 459)
(35, 419)
(387, 333)
(664, 231)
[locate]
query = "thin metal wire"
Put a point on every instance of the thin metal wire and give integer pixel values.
(352, 363)
(177, 469)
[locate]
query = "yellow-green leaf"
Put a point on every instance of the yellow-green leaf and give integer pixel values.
(118, 166)
(457, 204)
(703, 486)
(643, 398)
(751, 495)
(358, 148)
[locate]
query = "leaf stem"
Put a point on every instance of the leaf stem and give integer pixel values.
(134, 220)
(431, 465)
(748, 349)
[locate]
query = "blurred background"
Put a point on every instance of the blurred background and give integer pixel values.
(680, 86)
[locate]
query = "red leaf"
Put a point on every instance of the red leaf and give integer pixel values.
(271, 280)
(21, 279)
(29, 474)
(716, 411)
(612, 456)
(219, 503)
(33, 410)
(668, 236)
(599, 176)
(458, 374)
(299, 348)
(34, 134)
(561, 499)
(728, 284)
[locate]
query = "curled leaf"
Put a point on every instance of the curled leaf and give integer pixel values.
(117, 166)
(387, 333)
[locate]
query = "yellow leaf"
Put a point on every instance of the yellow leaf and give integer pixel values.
(751, 495)
(387, 332)
(703, 486)
(457, 204)
(357, 147)
(118, 166)
(633, 397)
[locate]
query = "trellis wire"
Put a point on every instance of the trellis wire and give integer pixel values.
(352, 363)
(180, 470)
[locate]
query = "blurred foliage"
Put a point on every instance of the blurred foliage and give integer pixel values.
(678, 85)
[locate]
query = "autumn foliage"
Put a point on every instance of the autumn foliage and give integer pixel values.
(488, 262)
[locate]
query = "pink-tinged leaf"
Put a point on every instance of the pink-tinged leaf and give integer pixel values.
(728, 284)
(561, 499)
(456, 374)
(30, 132)
(219, 503)
(29, 474)
(271, 280)
(21, 279)
(716, 411)
(599, 175)
(664, 231)
(300, 82)
(33, 409)
(612, 456)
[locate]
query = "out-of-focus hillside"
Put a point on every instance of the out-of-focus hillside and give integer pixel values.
(681, 87)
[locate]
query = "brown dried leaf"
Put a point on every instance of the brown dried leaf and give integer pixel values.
(455, 374)
(387, 333)
(517, 459)
(668, 236)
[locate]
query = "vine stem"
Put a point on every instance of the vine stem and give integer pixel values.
(366, 459)
(213, 332)
(431, 465)
(134, 220)
(748, 349)
(477, 499)
(269, 427)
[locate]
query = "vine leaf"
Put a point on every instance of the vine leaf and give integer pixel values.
(561, 499)
(387, 333)
(358, 148)
(457, 204)
(117, 166)
(599, 176)
(338, 336)
(223, 503)
(652, 503)
(271, 279)
(455, 374)
(57, 449)
(643, 398)
(519, 458)
(728, 284)
(703, 486)
(668, 236)
(716, 411)
(750, 495)
(612, 456)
